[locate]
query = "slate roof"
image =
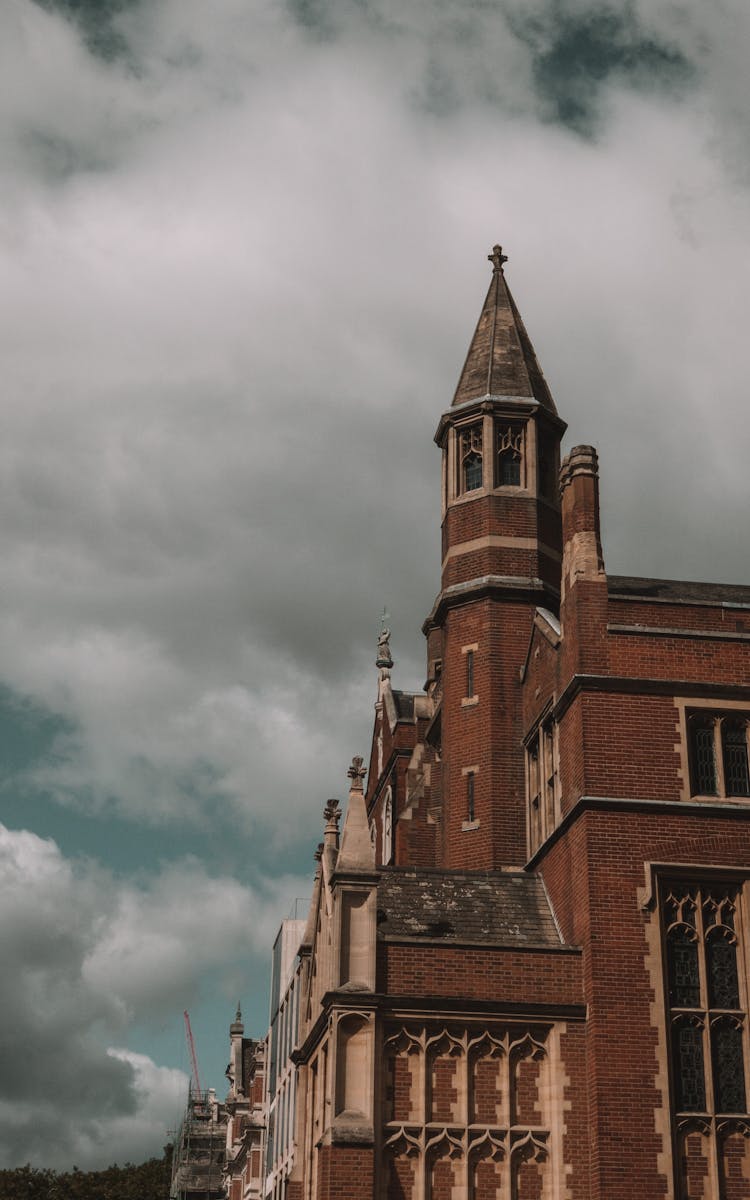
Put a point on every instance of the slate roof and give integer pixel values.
(495, 908)
(679, 589)
(404, 702)
(501, 359)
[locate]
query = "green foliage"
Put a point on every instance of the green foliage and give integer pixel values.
(148, 1181)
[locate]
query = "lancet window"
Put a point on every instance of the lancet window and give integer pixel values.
(509, 451)
(707, 1022)
(470, 457)
(542, 785)
(718, 750)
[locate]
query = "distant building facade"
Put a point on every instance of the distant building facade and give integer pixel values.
(246, 1115)
(524, 972)
(281, 1084)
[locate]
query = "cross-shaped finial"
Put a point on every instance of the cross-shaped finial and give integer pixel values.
(497, 258)
(357, 773)
(384, 618)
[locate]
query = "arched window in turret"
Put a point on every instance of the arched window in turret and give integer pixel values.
(470, 458)
(509, 452)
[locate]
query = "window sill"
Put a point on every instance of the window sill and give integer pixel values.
(467, 826)
(717, 798)
(469, 701)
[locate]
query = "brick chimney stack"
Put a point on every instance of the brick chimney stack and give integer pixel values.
(579, 487)
(583, 607)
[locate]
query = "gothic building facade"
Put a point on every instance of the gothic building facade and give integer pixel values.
(524, 973)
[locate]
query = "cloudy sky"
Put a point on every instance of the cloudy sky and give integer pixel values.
(242, 249)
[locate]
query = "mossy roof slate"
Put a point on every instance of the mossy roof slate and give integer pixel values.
(493, 908)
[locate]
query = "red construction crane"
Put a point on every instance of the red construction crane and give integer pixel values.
(193, 1058)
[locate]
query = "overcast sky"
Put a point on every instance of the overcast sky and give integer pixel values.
(243, 247)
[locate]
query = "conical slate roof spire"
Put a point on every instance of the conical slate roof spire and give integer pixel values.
(501, 359)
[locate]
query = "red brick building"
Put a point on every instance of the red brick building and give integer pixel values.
(524, 972)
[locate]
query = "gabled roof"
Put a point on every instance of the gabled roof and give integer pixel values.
(501, 359)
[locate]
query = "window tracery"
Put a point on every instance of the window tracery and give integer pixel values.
(509, 454)
(470, 458)
(708, 1024)
(477, 1137)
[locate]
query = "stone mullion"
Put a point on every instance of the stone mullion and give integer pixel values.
(420, 1180)
(708, 1070)
(721, 789)
(507, 1171)
(464, 1108)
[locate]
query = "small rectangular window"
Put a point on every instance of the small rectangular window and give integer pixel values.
(542, 786)
(469, 672)
(470, 796)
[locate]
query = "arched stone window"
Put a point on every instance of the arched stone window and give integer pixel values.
(470, 458)
(707, 1020)
(718, 752)
(509, 451)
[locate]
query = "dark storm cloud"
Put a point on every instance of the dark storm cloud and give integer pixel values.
(576, 55)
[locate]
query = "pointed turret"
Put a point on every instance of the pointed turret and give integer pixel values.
(501, 359)
(502, 548)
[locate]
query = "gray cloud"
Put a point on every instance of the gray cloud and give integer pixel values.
(228, 342)
(86, 955)
(241, 255)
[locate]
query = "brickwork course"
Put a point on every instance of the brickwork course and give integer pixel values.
(527, 975)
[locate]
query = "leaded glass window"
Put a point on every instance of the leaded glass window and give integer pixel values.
(734, 746)
(728, 1065)
(706, 1008)
(684, 978)
(509, 442)
(470, 458)
(703, 756)
(718, 747)
(690, 1083)
(723, 983)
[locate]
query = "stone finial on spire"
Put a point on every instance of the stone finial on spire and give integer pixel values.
(357, 773)
(356, 852)
(497, 258)
(384, 660)
(332, 811)
(332, 814)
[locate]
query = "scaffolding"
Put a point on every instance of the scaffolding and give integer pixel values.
(199, 1149)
